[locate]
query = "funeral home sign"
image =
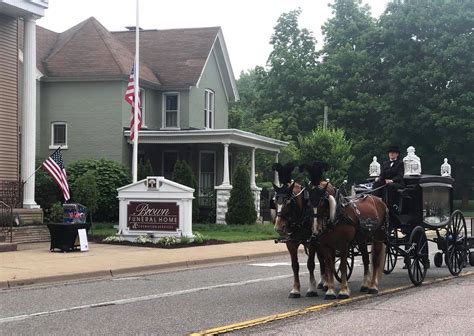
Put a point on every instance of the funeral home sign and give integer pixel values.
(155, 207)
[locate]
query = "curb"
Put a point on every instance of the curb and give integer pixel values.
(146, 269)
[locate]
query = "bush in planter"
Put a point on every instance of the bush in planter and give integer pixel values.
(183, 174)
(109, 176)
(241, 208)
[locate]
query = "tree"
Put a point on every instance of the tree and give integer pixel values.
(350, 73)
(427, 79)
(241, 207)
(331, 147)
(183, 174)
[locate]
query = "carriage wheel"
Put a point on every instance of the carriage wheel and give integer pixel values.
(391, 253)
(417, 256)
(471, 258)
(456, 243)
(438, 259)
(350, 265)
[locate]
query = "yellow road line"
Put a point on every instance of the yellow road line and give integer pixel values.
(303, 311)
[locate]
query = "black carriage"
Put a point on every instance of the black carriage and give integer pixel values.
(425, 205)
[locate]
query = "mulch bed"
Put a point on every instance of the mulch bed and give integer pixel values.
(98, 240)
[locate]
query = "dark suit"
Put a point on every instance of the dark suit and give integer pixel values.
(392, 172)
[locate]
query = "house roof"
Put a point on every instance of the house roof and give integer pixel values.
(171, 58)
(177, 56)
(88, 50)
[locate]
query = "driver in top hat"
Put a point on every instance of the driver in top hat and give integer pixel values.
(391, 175)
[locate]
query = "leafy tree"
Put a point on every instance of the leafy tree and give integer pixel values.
(350, 73)
(241, 207)
(109, 176)
(183, 174)
(330, 146)
(427, 79)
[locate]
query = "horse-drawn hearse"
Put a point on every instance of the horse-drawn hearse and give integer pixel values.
(425, 205)
(336, 228)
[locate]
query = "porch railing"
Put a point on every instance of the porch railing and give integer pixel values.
(6, 222)
(11, 193)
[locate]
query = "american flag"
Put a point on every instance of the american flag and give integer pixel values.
(130, 98)
(54, 165)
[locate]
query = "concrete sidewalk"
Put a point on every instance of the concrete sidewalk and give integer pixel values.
(37, 264)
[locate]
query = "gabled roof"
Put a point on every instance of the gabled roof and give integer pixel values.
(88, 50)
(178, 56)
(171, 58)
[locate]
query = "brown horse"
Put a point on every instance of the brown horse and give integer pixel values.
(293, 222)
(337, 226)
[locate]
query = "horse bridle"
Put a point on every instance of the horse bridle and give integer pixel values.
(322, 199)
(291, 201)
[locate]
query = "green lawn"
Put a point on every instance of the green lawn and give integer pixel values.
(229, 233)
(467, 211)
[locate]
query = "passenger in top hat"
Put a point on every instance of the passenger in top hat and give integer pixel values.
(391, 175)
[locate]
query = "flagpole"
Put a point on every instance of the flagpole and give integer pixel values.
(135, 109)
(39, 167)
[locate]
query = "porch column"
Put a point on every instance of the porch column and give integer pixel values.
(252, 171)
(276, 181)
(226, 179)
(223, 191)
(28, 132)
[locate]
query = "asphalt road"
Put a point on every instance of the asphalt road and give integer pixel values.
(173, 303)
(445, 308)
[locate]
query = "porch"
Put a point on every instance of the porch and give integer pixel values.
(212, 156)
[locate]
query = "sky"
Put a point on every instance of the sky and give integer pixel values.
(247, 24)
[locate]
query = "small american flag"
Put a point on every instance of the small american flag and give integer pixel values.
(130, 98)
(54, 165)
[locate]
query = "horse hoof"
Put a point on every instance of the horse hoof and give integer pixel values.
(373, 291)
(311, 294)
(330, 297)
(342, 296)
(364, 289)
(294, 295)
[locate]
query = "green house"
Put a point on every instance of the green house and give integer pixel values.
(186, 83)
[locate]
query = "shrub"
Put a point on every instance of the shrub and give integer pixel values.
(47, 192)
(241, 208)
(144, 170)
(56, 213)
(109, 176)
(84, 191)
(183, 174)
(330, 146)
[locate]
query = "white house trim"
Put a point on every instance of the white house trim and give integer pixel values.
(231, 136)
(228, 69)
(163, 110)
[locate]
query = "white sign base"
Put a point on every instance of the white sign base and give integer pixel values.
(83, 239)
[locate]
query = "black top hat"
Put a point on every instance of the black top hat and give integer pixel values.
(393, 149)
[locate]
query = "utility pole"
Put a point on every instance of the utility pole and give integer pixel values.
(325, 120)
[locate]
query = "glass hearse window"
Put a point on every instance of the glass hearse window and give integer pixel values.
(436, 205)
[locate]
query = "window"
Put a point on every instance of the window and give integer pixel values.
(207, 177)
(169, 160)
(58, 135)
(209, 104)
(171, 110)
(143, 104)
